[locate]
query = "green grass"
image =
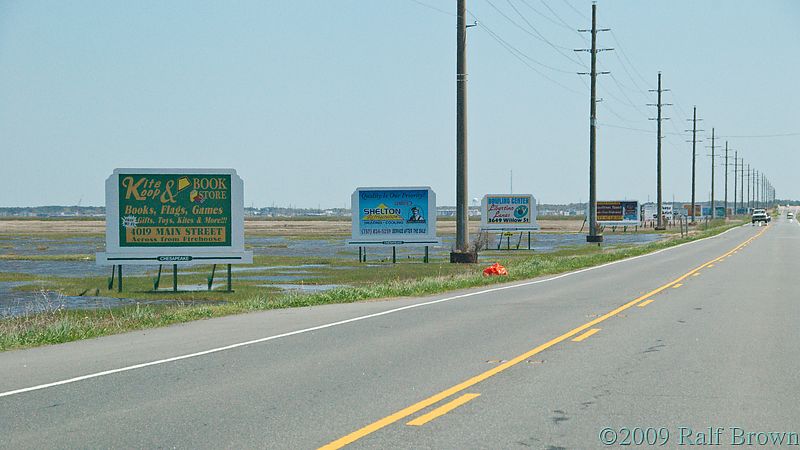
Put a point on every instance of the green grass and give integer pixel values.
(365, 283)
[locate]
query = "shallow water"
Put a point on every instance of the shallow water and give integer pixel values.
(17, 303)
(20, 303)
(304, 287)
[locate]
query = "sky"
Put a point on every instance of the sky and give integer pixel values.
(309, 99)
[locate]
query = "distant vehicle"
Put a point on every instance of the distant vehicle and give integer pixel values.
(790, 215)
(759, 215)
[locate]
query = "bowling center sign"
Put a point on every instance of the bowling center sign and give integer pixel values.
(186, 216)
(508, 212)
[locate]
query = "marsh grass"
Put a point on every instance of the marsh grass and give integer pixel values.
(58, 325)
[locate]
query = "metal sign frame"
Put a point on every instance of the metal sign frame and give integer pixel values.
(624, 206)
(229, 251)
(509, 204)
(400, 228)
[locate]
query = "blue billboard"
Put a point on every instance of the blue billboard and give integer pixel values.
(394, 216)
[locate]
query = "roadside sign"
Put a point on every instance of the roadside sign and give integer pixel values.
(177, 216)
(649, 211)
(698, 209)
(624, 212)
(508, 212)
(394, 216)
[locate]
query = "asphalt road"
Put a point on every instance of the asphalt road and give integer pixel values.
(703, 335)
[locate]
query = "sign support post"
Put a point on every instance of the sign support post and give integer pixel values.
(392, 217)
(508, 214)
(173, 216)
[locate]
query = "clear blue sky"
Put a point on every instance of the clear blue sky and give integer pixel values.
(309, 99)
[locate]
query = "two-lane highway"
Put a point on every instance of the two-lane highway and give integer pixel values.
(702, 335)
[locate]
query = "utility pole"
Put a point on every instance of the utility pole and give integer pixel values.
(661, 225)
(462, 253)
(725, 207)
(694, 130)
(735, 179)
(713, 205)
(749, 172)
(593, 236)
(741, 187)
(755, 189)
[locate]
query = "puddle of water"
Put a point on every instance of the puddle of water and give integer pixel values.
(336, 248)
(69, 269)
(278, 278)
(19, 303)
(167, 287)
(304, 287)
(236, 269)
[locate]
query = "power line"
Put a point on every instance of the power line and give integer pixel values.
(536, 34)
(433, 8)
(524, 58)
(561, 24)
(754, 136)
(584, 16)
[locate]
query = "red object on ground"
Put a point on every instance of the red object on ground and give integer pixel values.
(495, 269)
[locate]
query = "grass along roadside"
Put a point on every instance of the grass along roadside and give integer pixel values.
(61, 325)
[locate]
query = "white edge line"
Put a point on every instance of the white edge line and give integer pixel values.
(341, 322)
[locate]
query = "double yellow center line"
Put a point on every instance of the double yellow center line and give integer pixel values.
(436, 398)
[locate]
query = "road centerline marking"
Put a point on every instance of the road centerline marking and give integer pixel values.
(677, 285)
(342, 322)
(442, 410)
(436, 398)
(586, 335)
(645, 303)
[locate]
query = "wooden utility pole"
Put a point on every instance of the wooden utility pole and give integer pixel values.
(462, 253)
(594, 235)
(658, 105)
(726, 182)
(694, 131)
(735, 178)
(713, 205)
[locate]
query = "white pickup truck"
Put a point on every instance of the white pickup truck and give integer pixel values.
(760, 216)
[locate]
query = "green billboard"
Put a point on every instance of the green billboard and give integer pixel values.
(174, 210)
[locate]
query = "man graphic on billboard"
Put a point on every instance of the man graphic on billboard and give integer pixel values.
(415, 216)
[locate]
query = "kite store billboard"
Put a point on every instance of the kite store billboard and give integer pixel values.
(174, 216)
(394, 216)
(625, 212)
(508, 212)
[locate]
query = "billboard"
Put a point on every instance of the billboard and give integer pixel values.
(649, 211)
(698, 209)
(624, 212)
(394, 216)
(508, 212)
(176, 216)
(720, 211)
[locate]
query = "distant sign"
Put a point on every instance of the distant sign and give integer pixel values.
(720, 211)
(649, 211)
(186, 216)
(624, 212)
(510, 212)
(698, 209)
(394, 216)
